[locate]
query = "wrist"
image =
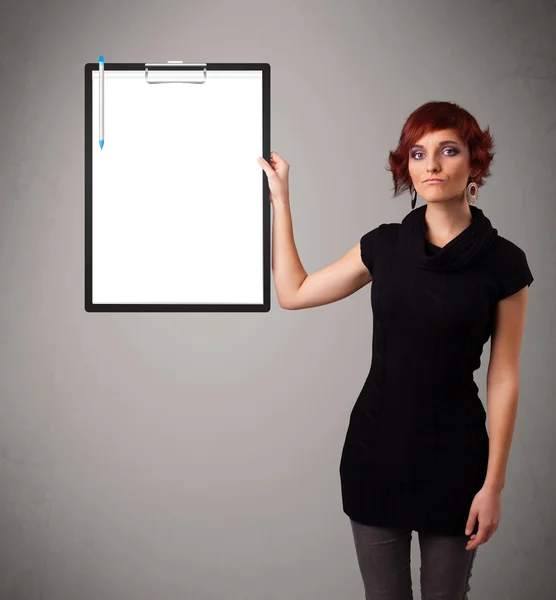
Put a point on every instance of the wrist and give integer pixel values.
(280, 201)
(494, 486)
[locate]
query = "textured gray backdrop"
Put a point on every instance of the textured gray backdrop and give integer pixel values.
(196, 456)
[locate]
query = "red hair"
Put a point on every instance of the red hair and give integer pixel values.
(434, 116)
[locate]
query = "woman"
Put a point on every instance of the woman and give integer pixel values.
(417, 455)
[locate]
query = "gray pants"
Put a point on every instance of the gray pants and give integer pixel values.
(384, 556)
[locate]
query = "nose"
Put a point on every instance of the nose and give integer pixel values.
(432, 164)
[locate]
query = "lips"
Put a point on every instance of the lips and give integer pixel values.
(434, 180)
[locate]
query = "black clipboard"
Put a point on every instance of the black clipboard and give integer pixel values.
(173, 72)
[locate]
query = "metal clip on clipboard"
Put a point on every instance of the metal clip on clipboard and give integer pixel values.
(174, 65)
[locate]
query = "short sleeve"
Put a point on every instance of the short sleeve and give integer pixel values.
(514, 274)
(368, 248)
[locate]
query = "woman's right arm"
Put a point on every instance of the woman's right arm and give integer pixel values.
(294, 288)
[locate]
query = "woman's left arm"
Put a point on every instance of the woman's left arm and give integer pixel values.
(503, 383)
(502, 394)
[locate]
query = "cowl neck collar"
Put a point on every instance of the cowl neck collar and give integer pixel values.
(459, 252)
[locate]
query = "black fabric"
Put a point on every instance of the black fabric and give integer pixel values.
(431, 249)
(515, 275)
(416, 448)
(459, 252)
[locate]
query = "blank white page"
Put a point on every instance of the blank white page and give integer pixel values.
(177, 213)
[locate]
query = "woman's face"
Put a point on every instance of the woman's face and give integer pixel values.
(442, 155)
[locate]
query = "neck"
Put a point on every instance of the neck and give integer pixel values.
(445, 220)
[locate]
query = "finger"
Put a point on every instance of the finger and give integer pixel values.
(276, 159)
(471, 545)
(490, 533)
(470, 525)
(480, 539)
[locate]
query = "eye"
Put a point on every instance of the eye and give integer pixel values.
(414, 154)
(453, 150)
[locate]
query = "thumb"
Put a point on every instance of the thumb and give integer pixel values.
(267, 168)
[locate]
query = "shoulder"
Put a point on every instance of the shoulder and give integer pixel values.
(377, 243)
(503, 249)
(505, 256)
(382, 232)
(508, 265)
(380, 237)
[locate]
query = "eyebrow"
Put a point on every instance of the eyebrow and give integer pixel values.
(440, 144)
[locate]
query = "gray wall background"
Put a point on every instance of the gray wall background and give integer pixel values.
(196, 455)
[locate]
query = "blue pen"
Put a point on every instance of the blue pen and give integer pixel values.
(101, 101)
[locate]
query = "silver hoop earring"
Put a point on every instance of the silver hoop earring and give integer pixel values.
(472, 193)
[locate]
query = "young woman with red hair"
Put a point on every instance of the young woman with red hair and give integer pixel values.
(417, 455)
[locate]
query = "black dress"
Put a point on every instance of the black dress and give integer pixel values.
(416, 449)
